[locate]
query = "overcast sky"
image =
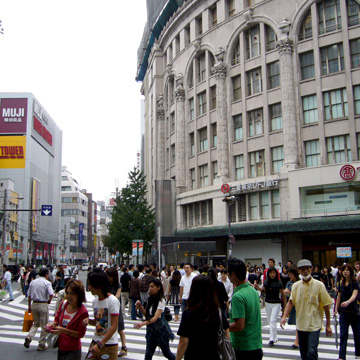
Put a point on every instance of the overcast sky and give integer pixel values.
(79, 59)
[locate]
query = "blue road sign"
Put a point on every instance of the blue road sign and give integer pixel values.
(46, 210)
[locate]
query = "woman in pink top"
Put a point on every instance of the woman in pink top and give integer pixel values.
(68, 321)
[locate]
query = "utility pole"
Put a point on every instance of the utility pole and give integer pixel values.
(5, 228)
(230, 200)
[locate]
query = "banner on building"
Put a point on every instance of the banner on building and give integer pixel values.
(81, 234)
(13, 116)
(134, 249)
(141, 248)
(12, 152)
(35, 203)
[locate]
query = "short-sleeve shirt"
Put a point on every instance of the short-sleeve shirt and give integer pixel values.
(7, 277)
(245, 304)
(103, 309)
(185, 283)
(40, 289)
(346, 293)
(309, 300)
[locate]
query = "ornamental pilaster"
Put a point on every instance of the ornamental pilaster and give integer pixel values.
(180, 164)
(160, 117)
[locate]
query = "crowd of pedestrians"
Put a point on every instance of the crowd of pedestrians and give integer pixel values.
(228, 295)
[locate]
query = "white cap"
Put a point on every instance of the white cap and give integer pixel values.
(303, 263)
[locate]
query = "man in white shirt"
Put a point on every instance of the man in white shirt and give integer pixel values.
(185, 285)
(41, 294)
(7, 282)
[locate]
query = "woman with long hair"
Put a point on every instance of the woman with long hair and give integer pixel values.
(202, 313)
(60, 279)
(106, 311)
(294, 277)
(328, 280)
(173, 294)
(68, 321)
(158, 332)
(274, 300)
(219, 288)
(284, 276)
(347, 307)
(115, 289)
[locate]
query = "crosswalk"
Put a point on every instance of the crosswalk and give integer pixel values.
(11, 313)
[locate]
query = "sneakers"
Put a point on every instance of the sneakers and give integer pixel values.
(27, 342)
(11, 300)
(42, 347)
(271, 343)
(123, 351)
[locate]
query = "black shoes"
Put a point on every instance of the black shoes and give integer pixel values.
(27, 342)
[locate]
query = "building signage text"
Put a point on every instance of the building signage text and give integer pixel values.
(42, 131)
(256, 185)
(12, 152)
(13, 116)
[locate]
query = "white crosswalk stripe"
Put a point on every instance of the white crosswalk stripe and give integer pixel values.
(11, 333)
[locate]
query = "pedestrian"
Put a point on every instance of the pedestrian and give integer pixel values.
(173, 294)
(274, 301)
(60, 279)
(134, 294)
(317, 273)
(328, 281)
(347, 307)
(40, 295)
(284, 275)
(68, 322)
(245, 315)
(219, 289)
(144, 287)
(125, 289)
(115, 289)
(166, 280)
(182, 271)
(311, 299)
(200, 322)
(185, 284)
(357, 270)
(106, 318)
(158, 332)
(271, 263)
(294, 277)
(227, 283)
(7, 282)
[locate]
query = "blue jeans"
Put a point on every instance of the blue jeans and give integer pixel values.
(8, 287)
(183, 305)
(26, 289)
(177, 309)
(347, 319)
(151, 347)
(133, 308)
(308, 344)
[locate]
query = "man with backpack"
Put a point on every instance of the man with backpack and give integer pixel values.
(144, 286)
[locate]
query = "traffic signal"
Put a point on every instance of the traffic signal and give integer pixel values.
(231, 239)
(229, 199)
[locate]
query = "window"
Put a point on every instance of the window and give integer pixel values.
(357, 99)
(252, 37)
(274, 75)
(202, 103)
(238, 127)
(67, 212)
(204, 214)
(236, 87)
(66, 188)
(264, 205)
(310, 109)
(192, 144)
(231, 8)
(187, 34)
(239, 167)
(201, 68)
(236, 54)
(199, 25)
(64, 178)
(177, 45)
(335, 104)
(329, 16)
(191, 109)
(241, 207)
(277, 154)
(192, 179)
(191, 77)
(358, 144)
(355, 53)
(173, 154)
(338, 149)
(70, 200)
(254, 81)
(203, 140)
(213, 97)
(270, 38)
(312, 153)
(306, 28)
(257, 163)
(213, 136)
(307, 65)
(276, 122)
(332, 59)
(254, 206)
(255, 120)
(353, 12)
(204, 178)
(172, 122)
(215, 169)
(275, 197)
(213, 16)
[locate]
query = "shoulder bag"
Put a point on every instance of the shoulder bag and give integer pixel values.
(226, 351)
(53, 339)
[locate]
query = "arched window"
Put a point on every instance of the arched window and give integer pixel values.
(252, 42)
(306, 28)
(270, 38)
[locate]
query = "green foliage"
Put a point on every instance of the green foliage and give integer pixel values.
(132, 217)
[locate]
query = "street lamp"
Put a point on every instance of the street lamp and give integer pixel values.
(230, 200)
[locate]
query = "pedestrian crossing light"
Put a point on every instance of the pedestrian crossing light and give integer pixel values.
(231, 239)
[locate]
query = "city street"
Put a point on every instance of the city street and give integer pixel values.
(12, 337)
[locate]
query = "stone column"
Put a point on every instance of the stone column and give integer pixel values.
(160, 148)
(180, 164)
(220, 69)
(288, 104)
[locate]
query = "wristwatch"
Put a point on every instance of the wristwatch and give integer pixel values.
(100, 344)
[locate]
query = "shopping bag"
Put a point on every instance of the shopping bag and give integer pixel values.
(2, 294)
(52, 341)
(28, 321)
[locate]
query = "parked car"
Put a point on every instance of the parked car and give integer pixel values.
(85, 267)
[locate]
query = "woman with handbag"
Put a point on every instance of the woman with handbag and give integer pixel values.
(158, 332)
(68, 322)
(202, 312)
(348, 309)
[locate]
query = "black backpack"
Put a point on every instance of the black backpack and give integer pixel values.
(167, 314)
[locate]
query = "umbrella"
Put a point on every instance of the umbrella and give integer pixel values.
(336, 333)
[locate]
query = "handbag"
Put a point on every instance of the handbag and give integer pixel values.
(28, 321)
(53, 339)
(262, 301)
(225, 350)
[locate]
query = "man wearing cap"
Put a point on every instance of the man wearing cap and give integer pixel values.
(311, 299)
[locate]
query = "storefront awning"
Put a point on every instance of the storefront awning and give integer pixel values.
(190, 246)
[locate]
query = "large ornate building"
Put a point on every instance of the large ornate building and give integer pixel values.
(262, 95)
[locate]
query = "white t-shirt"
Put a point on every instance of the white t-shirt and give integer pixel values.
(68, 316)
(185, 283)
(7, 277)
(103, 309)
(161, 306)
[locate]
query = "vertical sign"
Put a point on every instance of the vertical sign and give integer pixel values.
(35, 203)
(141, 249)
(134, 249)
(81, 234)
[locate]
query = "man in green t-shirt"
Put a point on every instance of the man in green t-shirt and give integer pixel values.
(245, 315)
